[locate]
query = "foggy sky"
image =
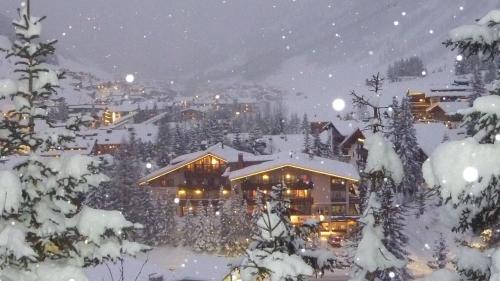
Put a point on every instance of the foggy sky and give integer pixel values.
(203, 40)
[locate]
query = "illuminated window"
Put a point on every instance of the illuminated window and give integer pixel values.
(265, 178)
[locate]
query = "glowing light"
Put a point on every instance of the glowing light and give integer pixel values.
(427, 246)
(217, 97)
(392, 274)
(431, 31)
(396, 23)
(470, 174)
(403, 14)
(370, 53)
(130, 78)
(497, 137)
(217, 213)
(461, 8)
(460, 58)
(265, 177)
(149, 165)
(338, 104)
(177, 200)
(424, 73)
(197, 191)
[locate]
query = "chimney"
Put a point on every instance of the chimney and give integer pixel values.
(240, 161)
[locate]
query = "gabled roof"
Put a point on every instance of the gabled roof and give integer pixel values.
(223, 152)
(345, 127)
(450, 108)
(300, 161)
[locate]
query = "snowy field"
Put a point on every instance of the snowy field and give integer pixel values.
(173, 263)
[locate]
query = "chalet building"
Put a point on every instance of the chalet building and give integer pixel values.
(192, 114)
(317, 188)
(200, 175)
(423, 104)
(447, 112)
(347, 139)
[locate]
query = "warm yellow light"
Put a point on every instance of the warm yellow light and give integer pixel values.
(198, 191)
(214, 161)
(265, 191)
(321, 218)
(265, 177)
(288, 191)
(182, 192)
(294, 219)
(288, 176)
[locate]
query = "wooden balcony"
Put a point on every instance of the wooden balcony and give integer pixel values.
(247, 185)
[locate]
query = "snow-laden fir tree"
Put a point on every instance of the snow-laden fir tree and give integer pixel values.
(477, 85)
(180, 141)
(48, 233)
(123, 193)
(189, 228)
(209, 223)
(407, 148)
(170, 217)
(306, 131)
(272, 254)
(470, 185)
(377, 255)
(162, 144)
(440, 254)
(235, 224)
(201, 217)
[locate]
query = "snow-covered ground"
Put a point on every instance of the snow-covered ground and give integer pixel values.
(174, 263)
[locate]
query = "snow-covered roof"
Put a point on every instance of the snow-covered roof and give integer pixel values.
(430, 135)
(346, 127)
(145, 133)
(301, 161)
(224, 152)
(450, 108)
(451, 91)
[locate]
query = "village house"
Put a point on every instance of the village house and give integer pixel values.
(318, 188)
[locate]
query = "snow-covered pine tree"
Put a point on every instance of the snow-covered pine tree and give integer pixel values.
(160, 227)
(235, 224)
(171, 227)
(237, 142)
(189, 227)
(50, 235)
(162, 147)
(199, 230)
(209, 242)
(475, 195)
(407, 148)
(377, 256)
(465, 39)
(477, 84)
(180, 141)
(294, 124)
(272, 254)
(440, 254)
(306, 131)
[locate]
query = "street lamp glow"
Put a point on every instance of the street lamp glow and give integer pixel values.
(149, 165)
(460, 58)
(130, 78)
(470, 174)
(338, 104)
(177, 200)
